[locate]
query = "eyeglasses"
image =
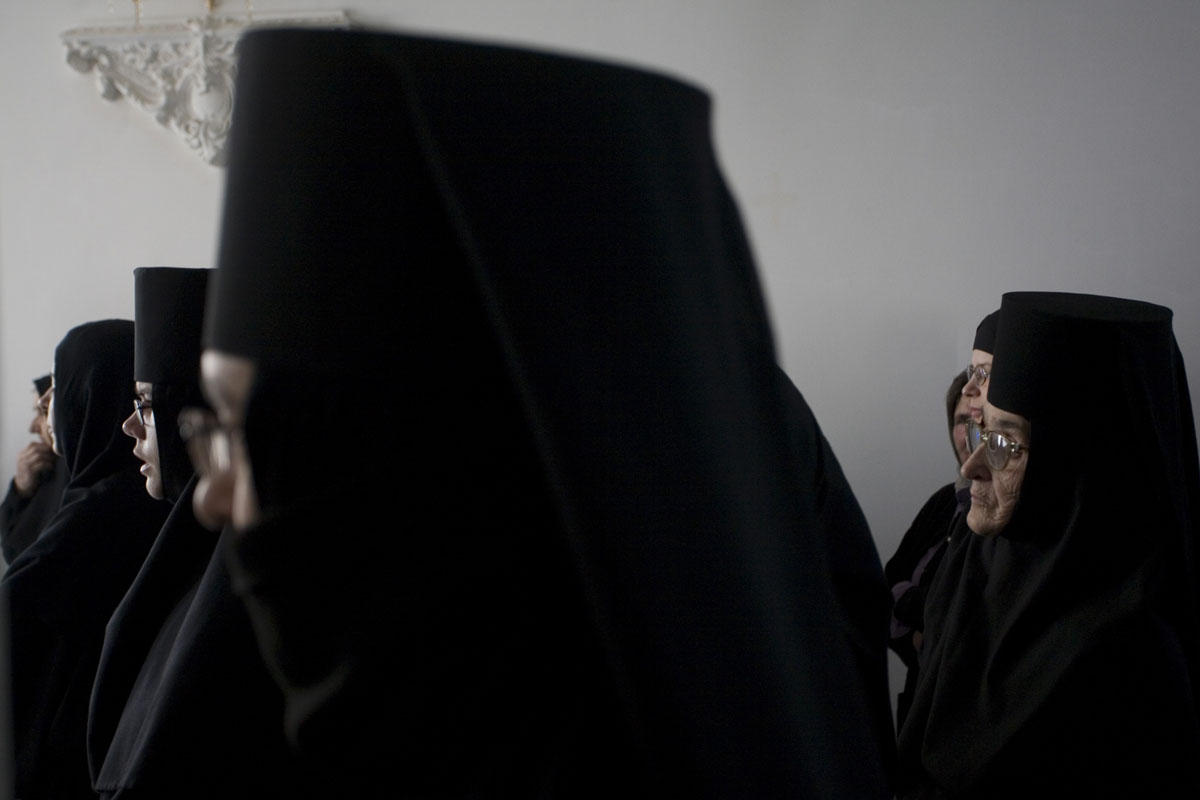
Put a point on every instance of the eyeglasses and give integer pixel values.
(141, 409)
(209, 444)
(997, 446)
(979, 374)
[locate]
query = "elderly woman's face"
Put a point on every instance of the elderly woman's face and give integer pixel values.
(995, 492)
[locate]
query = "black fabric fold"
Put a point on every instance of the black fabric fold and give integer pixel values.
(182, 705)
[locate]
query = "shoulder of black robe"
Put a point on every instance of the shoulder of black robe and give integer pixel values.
(929, 529)
(22, 519)
(656, 548)
(182, 705)
(62, 589)
(863, 601)
(1064, 650)
(929, 526)
(175, 562)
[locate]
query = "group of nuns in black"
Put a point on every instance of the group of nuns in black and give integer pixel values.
(503, 492)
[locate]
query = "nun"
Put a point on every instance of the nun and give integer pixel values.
(1061, 652)
(501, 440)
(35, 492)
(182, 706)
(61, 591)
(916, 561)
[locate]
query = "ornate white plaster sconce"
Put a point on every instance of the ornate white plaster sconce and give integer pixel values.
(181, 71)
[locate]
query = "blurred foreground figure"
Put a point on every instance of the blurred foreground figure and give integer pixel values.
(63, 588)
(521, 507)
(36, 489)
(1061, 656)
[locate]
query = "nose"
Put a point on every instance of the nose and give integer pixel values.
(971, 387)
(212, 501)
(132, 426)
(976, 468)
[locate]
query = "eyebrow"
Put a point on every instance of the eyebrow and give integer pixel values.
(1005, 426)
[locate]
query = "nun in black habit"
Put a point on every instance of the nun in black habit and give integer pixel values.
(1061, 652)
(61, 591)
(910, 571)
(182, 706)
(528, 514)
(22, 517)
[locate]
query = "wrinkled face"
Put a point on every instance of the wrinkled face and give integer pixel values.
(140, 427)
(225, 490)
(995, 493)
(48, 398)
(962, 414)
(975, 393)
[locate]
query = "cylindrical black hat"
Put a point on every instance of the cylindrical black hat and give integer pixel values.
(169, 316)
(540, 254)
(383, 163)
(1049, 344)
(985, 333)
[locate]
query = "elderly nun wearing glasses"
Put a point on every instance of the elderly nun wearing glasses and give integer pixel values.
(1061, 649)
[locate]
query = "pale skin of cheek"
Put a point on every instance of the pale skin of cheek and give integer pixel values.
(992, 516)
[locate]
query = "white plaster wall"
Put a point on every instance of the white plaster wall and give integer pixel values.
(899, 166)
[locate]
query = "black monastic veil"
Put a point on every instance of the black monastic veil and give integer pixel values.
(532, 520)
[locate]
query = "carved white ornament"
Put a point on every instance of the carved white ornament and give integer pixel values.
(181, 71)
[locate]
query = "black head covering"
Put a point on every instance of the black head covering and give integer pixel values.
(40, 385)
(953, 395)
(63, 588)
(93, 387)
(985, 333)
(608, 577)
(169, 316)
(1064, 648)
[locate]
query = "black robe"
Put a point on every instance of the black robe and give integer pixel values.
(577, 552)
(921, 548)
(22, 519)
(182, 706)
(61, 591)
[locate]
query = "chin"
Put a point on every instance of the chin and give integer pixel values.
(154, 488)
(981, 526)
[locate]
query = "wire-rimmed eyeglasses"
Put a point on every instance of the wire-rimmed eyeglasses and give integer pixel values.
(997, 446)
(978, 373)
(141, 407)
